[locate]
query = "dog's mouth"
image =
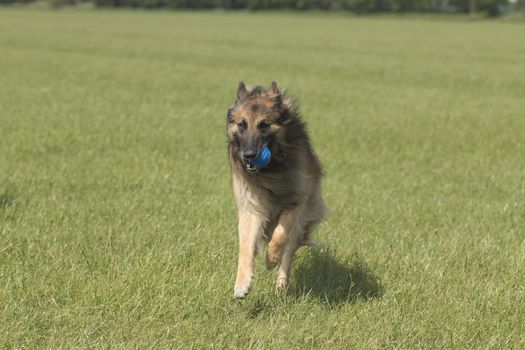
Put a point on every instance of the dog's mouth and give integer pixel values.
(251, 168)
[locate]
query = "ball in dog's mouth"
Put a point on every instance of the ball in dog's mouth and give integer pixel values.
(262, 160)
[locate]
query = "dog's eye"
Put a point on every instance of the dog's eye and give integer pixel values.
(263, 125)
(242, 125)
(230, 119)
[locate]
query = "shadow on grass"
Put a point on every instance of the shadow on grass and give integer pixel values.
(6, 199)
(332, 280)
(320, 276)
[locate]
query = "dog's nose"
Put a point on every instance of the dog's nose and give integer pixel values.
(249, 154)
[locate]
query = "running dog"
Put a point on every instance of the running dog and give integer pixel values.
(276, 181)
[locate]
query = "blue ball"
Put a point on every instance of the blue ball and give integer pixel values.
(263, 159)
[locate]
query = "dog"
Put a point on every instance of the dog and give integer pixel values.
(279, 202)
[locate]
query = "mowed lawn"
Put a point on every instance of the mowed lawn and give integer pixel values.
(117, 223)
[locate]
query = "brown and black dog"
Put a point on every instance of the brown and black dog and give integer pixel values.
(281, 202)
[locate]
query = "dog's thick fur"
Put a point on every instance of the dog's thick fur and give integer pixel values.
(280, 203)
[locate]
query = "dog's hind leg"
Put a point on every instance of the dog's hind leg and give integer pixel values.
(250, 233)
(286, 263)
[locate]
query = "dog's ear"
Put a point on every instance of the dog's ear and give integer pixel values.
(273, 91)
(242, 92)
(274, 94)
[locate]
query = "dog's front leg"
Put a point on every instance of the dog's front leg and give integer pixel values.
(281, 236)
(250, 231)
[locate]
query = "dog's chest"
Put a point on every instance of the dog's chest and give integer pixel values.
(272, 192)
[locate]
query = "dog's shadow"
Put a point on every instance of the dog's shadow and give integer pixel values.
(333, 280)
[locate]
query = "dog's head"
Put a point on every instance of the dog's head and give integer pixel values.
(257, 119)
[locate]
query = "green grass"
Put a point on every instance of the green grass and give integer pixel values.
(117, 224)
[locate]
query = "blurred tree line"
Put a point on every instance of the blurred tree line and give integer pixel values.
(491, 7)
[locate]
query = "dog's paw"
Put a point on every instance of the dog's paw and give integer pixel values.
(271, 261)
(241, 290)
(273, 257)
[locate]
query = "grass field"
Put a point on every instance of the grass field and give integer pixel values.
(117, 224)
